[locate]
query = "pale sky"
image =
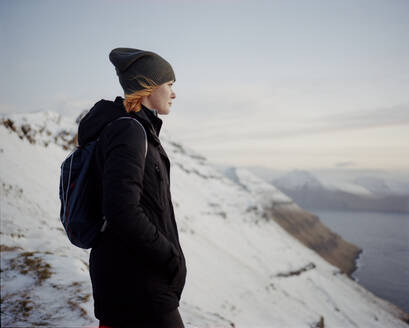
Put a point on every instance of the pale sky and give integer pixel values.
(283, 84)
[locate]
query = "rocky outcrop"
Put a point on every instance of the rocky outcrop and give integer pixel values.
(310, 231)
(43, 128)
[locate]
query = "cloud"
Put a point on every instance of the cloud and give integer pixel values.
(345, 164)
(378, 117)
(261, 126)
(304, 126)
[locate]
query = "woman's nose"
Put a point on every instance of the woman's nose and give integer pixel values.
(173, 95)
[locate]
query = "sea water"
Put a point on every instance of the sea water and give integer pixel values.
(383, 266)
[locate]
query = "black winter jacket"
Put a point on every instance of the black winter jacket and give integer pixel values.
(137, 266)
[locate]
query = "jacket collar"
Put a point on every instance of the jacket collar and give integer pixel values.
(153, 119)
(146, 115)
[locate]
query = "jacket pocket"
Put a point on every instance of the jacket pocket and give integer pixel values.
(151, 204)
(158, 172)
(163, 186)
(178, 280)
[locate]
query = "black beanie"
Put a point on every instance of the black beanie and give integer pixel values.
(134, 66)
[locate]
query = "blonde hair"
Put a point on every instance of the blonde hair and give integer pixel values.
(133, 101)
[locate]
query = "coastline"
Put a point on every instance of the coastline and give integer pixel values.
(309, 230)
(358, 255)
(359, 274)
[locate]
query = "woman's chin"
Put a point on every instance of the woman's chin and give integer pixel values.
(164, 112)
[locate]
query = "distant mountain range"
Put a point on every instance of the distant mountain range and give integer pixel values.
(342, 189)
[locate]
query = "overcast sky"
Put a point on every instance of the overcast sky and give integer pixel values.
(283, 84)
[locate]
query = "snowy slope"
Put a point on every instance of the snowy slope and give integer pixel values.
(243, 271)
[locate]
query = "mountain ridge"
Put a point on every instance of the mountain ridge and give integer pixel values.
(243, 270)
(364, 191)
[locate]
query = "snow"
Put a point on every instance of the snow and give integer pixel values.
(360, 182)
(365, 182)
(239, 263)
(373, 184)
(349, 187)
(297, 179)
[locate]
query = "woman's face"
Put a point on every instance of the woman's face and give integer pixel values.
(161, 98)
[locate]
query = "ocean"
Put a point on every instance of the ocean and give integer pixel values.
(383, 266)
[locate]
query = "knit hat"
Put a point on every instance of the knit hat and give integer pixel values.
(134, 66)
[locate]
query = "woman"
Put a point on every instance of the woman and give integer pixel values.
(137, 268)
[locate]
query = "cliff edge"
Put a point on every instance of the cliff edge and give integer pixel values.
(302, 225)
(310, 231)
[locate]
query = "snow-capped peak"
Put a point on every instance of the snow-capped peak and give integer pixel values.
(298, 179)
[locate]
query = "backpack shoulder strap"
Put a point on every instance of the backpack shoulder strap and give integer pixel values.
(144, 131)
(131, 118)
(146, 150)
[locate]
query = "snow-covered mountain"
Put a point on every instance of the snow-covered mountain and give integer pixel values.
(374, 185)
(356, 181)
(359, 191)
(298, 180)
(244, 269)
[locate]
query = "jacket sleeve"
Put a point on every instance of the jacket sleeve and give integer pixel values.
(123, 170)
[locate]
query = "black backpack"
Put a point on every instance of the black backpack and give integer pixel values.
(80, 211)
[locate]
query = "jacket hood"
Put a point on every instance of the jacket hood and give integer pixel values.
(105, 111)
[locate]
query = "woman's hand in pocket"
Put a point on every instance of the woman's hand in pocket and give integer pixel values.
(178, 276)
